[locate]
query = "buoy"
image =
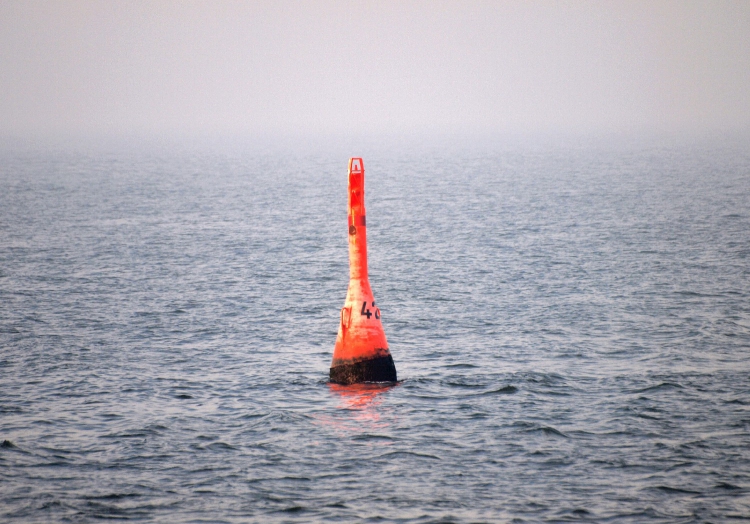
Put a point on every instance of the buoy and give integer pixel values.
(361, 353)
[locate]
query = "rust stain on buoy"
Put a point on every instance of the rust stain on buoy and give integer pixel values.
(361, 353)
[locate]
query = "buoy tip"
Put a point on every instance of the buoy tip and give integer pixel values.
(356, 166)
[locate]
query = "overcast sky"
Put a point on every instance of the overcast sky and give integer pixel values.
(267, 68)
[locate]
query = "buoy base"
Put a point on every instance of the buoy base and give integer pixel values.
(380, 369)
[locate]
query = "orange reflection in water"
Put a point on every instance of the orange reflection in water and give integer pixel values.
(363, 401)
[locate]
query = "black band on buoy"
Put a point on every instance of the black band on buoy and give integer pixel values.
(381, 369)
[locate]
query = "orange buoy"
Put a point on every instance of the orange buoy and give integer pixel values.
(361, 353)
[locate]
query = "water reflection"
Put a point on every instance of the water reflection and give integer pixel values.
(363, 406)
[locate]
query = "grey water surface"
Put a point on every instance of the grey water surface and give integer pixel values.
(570, 325)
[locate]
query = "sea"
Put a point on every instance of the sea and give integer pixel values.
(570, 323)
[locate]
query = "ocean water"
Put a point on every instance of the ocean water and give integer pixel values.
(570, 325)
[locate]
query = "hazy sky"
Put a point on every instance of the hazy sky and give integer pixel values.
(266, 68)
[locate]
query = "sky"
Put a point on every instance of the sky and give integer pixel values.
(295, 68)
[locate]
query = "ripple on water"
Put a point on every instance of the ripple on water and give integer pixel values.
(570, 327)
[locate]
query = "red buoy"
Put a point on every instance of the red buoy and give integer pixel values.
(361, 353)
